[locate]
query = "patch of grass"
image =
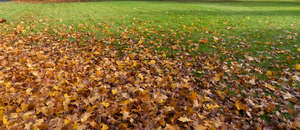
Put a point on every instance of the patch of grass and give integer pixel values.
(254, 28)
(266, 117)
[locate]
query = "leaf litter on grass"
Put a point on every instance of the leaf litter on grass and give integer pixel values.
(61, 79)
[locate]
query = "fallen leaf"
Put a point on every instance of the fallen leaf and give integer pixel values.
(85, 117)
(104, 126)
(114, 91)
(228, 27)
(297, 66)
(2, 20)
(239, 105)
(105, 104)
(250, 58)
(269, 86)
(184, 119)
(152, 62)
(269, 73)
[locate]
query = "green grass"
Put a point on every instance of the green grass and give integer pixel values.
(256, 14)
(252, 22)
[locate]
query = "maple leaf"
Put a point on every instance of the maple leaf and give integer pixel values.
(216, 39)
(228, 27)
(85, 117)
(114, 91)
(105, 104)
(239, 105)
(140, 41)
(269, 86)
(152, 62)
(218, 76)
(297, 67)
(184, 119)
(269, 73)
(188, 64)
(203, 41)
(249, 58)
(5, 121)
(104, 126)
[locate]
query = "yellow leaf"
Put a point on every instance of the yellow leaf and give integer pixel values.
(193, 96)
(298, 67)
(217, 77)
(270, 87)
(125, 102)
(5, 121)
(161, 101)
(66, 121)
(24, 106)
(56, 87)
(28, 91)
(114, 91)
(141, 76)
(75, 126)
(104, 126)
(8, 84)
(188, 64)
(1, 115)
(269, 73)
(184, 119)
(239, 105)
(105, 104)
(220, 93)
(134, 64)
(66, 95)
(140, 41)
(200, 72)
(152, 62)
(212, 106)
(298, 49)
(21, 41)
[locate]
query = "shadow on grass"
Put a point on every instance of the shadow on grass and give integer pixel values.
(265, 3)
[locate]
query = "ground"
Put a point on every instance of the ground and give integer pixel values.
(137, 64)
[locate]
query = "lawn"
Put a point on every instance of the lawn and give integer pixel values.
(150, 64)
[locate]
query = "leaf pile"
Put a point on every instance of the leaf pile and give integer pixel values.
(61, 79)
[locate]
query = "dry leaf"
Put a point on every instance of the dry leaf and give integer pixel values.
(184, 119)
(297, 66)
(269, 86)
(85, 117)
(152, 62)
(239, 105)
(105, 104)
(104, 126)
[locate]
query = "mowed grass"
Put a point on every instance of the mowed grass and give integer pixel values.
(254, 28)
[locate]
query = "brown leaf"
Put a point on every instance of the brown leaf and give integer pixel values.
(239, 105)
(3, 21)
